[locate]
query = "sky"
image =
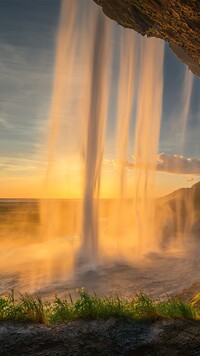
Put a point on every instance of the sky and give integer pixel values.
(28, 34)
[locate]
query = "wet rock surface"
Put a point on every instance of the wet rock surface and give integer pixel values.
(175, 21)
(111, 337)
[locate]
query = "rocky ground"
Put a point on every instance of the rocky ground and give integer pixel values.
(111, 337)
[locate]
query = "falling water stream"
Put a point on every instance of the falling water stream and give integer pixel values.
(94, 147)
(149, 111)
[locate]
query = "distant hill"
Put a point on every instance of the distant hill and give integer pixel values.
(179, 212)
(196, 195)
(194, 190)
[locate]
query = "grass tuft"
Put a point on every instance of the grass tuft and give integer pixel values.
(195, 301)
(176, 309)
(87, 306)
(32, 308)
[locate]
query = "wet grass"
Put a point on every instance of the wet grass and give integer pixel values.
(87, 306)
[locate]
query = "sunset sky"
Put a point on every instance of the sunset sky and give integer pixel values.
(28, 32)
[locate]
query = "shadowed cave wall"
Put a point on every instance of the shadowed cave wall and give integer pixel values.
(175, 21)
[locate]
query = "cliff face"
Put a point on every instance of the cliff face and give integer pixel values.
(175, 21)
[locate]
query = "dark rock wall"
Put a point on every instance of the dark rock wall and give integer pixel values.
(175, 21)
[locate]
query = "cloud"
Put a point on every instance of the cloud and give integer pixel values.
(5, 124)
(13, 164)
(176, 164)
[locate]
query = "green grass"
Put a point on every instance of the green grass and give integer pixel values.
(86, 306)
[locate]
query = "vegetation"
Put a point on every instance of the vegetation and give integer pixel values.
(86, 306)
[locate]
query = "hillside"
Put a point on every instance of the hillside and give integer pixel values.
(179, 213)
